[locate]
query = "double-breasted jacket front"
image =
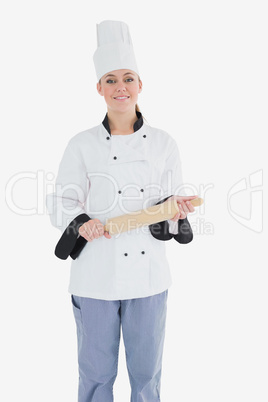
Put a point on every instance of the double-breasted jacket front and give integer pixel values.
(102, 176)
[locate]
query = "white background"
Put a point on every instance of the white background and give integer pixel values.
(204, 70)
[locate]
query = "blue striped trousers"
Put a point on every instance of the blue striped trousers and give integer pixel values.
(98, 324)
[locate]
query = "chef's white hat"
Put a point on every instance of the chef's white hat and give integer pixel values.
(115, 49)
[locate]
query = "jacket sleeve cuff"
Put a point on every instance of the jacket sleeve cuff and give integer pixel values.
(70, 244)
(160, 230)
(185, 233)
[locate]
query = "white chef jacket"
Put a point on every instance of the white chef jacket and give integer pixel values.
(104, 176)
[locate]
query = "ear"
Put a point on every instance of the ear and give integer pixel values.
(140, 86)
(99, 89)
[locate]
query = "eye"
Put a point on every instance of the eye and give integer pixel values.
(109, 81)
(131, 79)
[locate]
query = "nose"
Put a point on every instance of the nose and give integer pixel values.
(121, 86)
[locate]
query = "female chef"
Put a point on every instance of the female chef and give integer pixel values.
(120, 166)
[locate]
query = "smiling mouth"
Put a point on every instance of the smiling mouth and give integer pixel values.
(121, 97)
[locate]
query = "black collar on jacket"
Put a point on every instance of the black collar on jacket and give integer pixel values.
(136, 126)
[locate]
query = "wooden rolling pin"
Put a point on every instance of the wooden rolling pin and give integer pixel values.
(144, 217)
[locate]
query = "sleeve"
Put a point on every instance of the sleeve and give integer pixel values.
(66, 204)
(172, 184)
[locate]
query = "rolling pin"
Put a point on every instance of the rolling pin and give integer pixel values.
(145, 217)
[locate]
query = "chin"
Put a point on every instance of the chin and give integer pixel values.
(123, 108)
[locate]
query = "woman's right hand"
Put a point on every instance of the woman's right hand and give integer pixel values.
(93, 229)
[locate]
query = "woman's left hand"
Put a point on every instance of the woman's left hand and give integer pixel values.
(184, 205)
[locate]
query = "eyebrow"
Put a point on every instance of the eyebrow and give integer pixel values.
(112, 75)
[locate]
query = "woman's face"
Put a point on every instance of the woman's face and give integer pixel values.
(120, 89)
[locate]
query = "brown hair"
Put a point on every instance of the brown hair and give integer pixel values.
(136, 106)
